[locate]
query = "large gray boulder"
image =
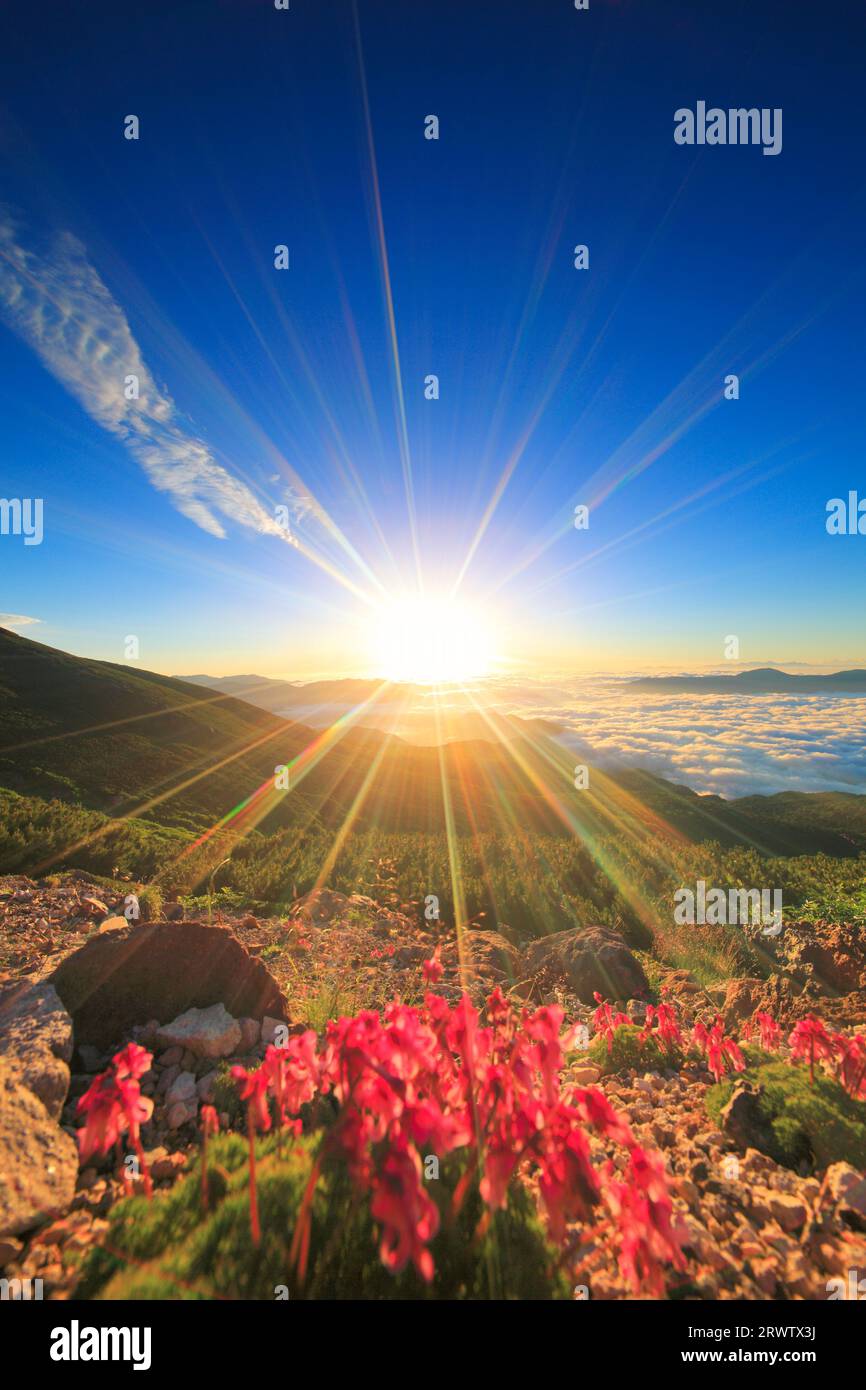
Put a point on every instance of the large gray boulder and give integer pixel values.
(157, 970)
(36, 1041)
(38, 1161)
(491, 959)
(589, 960)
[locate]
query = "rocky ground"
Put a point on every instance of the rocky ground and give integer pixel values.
(74, 986)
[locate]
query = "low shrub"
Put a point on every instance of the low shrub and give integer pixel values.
(815, 1123)
(627, 1052)
(172, 1248)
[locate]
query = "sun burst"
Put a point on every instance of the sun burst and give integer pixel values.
(425, 640)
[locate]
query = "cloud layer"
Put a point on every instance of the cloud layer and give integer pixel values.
(62, 309)
(728, 744)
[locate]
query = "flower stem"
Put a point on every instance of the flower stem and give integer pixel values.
(255, 1229)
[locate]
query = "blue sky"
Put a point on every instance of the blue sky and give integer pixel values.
(261, 127)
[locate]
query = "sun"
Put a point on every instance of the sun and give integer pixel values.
(423, 640)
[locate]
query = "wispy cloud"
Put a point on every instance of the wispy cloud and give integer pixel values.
(17, 620)
(61, 308)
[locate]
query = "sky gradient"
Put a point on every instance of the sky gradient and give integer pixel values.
(305, 387)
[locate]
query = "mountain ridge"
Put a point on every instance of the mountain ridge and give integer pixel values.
(762, 680)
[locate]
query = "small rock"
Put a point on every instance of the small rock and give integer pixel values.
(764, 1274)
(585, 1076)
(269, 1028)
(741, 1118)
(205, 1087)
(181, 1089)
(206, 1032)
(250, 1033)
(167, 1079)
(180, 1113)
(848, 1188)
(790, 1212)
(93, 907)
(172, 1057)
(168, 1166)
(112, 924)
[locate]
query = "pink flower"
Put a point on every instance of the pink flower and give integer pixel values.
(810, 1041)
(113, 1105)
(770, 1034)
(851, 1064)
(408, 1216)
(104, 1117)
(605, 1021)
(433, 968)
(254, 1090)
(642, 1209)
(719, 1050)
(661, 1023)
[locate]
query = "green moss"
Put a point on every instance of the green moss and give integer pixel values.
(170, 1248)
(627, 1052)
(226, 1097)
(151, 903)
(818, 1124)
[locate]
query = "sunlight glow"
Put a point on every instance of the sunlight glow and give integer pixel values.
(431, 641)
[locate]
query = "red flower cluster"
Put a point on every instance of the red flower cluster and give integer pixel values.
(810, 1042)
(719, 1051)
(851, 1064)
(288, 1076)
(113, 1104)
(769, 1032)
(661, 1024)
(605, 1021)
(437, 1079)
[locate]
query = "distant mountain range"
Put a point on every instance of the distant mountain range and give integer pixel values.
(278, 696)
(765, 680)
(129, 742)
(407, 711)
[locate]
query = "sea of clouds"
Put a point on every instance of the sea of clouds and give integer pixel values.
(733, 745)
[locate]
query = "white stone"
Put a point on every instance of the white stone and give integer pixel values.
(205, 1032)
